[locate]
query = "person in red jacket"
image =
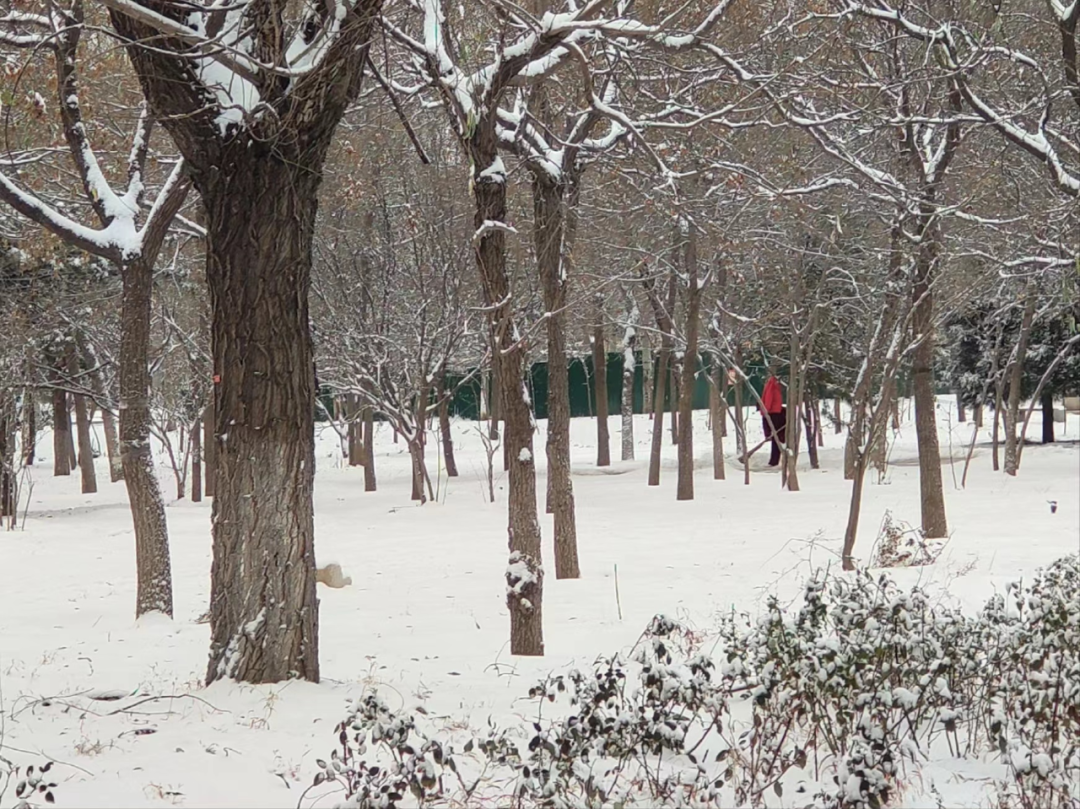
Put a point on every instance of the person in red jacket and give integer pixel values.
(774, 417)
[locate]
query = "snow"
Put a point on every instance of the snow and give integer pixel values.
(236, 96)
(525, 456)
(426, 615)
(496, 172)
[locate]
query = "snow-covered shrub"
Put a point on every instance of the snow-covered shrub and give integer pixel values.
(832, 704)
(1032, 711)
(860, 679)
(624, 732)
(624, 717)
(383, 759)
(901, 545)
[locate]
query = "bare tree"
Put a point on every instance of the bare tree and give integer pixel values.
(694, 289)
(629, 343)
(130, 239)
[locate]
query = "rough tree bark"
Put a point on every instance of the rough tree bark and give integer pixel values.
(717, 406)
(995, 437)
(524, 573)
(355, 440)
(1016, 375)
(1047, 404)
(263, 610)
(867, 419)
(258, 182)
(61, 432)
(647, 371)
(494, 400)
(551, 210)
(82, 427)
(29, 427)
(741, 443)
(931, 488)
(665, 325)
(812, 425)
(370, 483)
(209, 447)
(73, 457)
(444, 427)
(417, 442)
(675, 365)
(154, 590)
(8, 463)
(685, 486)
(108, 421)
(196, 462)
(628, 369)
(600, 388)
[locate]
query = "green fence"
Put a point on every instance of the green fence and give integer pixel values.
(466, 401)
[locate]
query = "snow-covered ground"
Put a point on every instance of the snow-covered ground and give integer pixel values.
(425, 620)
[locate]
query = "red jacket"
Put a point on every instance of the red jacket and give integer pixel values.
(772, 398)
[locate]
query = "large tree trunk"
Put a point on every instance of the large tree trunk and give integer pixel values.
(675, 363)
(626, 409)
(723, 381)
(717, 407)
(851, 530)
(1047, 418)
(418, 444)
(209, 445)
(742, 443)
(1016, 375)
(647, 372)
(112, 445)
(196, 462)
(931, 489)
(73, 457)
(524, 573)
(812, 425)
(82, 426)
(662, 312)
(416, 455)
(355, 440)
(154, 593)
(61, 433)
(796, 380)
(108, 421)
(658, 415)
(600, 391)
(444, 427)
(263, 607)
(370, 483)
(8, 462)
(494, 400)
(685, 487)
(551, 210)
(995, 438)
(29, 446)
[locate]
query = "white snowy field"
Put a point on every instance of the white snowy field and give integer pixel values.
(425, 620)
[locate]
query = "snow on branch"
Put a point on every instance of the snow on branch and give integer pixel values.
(945, 39)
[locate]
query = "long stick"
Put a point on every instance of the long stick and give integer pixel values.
(746, 457)
(618, 602)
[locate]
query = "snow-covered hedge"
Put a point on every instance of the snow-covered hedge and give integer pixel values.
(836, 703)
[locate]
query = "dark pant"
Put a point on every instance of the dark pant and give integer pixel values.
(779, 421)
